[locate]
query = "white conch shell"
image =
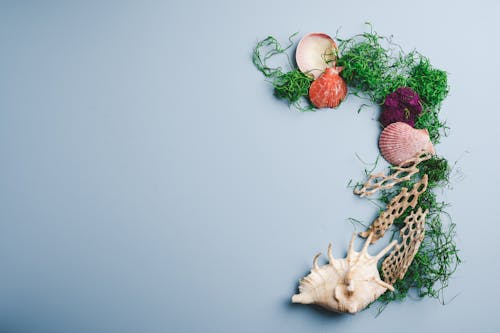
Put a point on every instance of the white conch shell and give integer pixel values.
(344, 285)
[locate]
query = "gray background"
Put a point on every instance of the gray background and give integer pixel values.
(150, 181)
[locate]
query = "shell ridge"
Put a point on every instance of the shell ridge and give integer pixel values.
(400, 142)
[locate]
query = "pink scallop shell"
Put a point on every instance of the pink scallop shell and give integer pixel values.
(399, 142)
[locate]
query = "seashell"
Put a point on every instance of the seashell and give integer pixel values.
(315, 52)
(400, 142)
(329, 90)
(344, 285)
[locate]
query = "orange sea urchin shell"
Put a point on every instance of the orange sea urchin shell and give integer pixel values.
(399, 142)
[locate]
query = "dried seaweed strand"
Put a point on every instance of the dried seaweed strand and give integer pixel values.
(293, 85)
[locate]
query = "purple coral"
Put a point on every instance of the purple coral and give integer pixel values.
(402, 105)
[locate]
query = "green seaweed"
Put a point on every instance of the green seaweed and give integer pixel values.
(293, 85)
(430, 84)
(429, 120)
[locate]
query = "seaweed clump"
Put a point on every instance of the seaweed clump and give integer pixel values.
(376, 67)
(292, 85)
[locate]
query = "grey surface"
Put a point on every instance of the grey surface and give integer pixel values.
(150, 182)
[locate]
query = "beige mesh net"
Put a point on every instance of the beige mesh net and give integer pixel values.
(380, 181)
(395, 209)
(396, 264)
